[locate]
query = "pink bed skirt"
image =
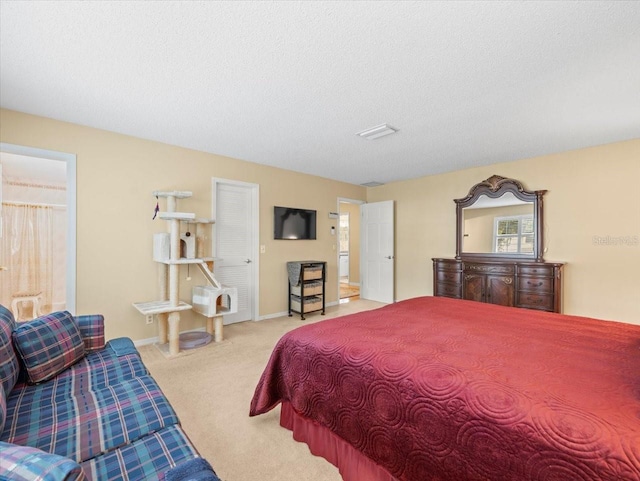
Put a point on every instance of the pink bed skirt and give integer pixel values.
(352, 464)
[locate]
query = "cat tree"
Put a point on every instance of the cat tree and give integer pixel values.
(170, 251)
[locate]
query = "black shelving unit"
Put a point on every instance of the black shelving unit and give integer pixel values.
(306, 287)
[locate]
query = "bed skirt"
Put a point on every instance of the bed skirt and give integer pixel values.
(352, 464)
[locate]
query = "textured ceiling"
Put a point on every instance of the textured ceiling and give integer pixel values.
(289, 84)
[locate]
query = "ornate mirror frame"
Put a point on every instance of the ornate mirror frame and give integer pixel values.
(494, 187)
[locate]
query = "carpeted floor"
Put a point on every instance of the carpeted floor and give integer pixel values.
(211, 388)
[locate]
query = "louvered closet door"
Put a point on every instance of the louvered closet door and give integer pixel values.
(234, 237)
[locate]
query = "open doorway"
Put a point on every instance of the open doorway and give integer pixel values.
(37, 231)
(348, 249)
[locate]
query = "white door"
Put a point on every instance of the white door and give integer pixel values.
(235, 211)
(377, 251)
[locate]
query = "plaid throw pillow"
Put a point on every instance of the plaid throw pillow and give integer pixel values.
(9, 366)
(22, 463)
(48, 345)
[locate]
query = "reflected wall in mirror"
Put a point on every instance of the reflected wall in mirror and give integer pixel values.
(502, 225)
(500, 218)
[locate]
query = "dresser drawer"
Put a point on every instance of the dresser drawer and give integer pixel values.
(536, 270)
(448, 265)
(537, 284)
(449, 290)
(489, 268)
(535, 301)
(455, 277)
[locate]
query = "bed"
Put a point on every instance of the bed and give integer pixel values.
(450, 390)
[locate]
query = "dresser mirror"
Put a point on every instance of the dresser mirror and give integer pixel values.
(500, 219)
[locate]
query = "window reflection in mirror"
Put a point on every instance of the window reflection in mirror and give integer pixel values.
(513, 235)
(503, 225)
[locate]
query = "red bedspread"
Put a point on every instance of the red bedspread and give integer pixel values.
(448, 390)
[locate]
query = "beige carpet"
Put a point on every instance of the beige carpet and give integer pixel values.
(211, 388)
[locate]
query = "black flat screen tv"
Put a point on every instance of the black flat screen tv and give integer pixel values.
(294, 224)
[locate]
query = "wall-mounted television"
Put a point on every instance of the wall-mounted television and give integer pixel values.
(294, 224)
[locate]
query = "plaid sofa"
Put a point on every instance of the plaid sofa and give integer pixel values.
(75, 408)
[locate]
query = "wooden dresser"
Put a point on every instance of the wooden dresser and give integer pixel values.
(499, 249)
(531, 285)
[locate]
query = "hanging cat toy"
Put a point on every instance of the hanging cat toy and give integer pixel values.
(156, 210)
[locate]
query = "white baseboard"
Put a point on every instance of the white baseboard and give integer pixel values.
(154, 340)
(285, 313)
(272, 316)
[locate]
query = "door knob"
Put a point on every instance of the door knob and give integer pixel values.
(248, 261)
(389, 257)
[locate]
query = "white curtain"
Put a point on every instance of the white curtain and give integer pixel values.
(26, 251)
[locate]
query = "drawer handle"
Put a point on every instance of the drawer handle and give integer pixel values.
(537, 284)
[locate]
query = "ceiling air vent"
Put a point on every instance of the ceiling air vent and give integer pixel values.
(372, 184)
(377, 132)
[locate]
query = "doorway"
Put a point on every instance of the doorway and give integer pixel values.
(37, 231)
(348, 247)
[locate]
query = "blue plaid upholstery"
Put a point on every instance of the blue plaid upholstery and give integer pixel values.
(102, 411)
(96, 370)
(146, 459)
(9, 367)
(22, 463)
(92, 331)
(48, 345)
(3, 409)
(122, 346)
(81, 426)
(195, 469)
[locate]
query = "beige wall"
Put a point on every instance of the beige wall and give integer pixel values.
(591, 192)
(479, 224)
(116, 175)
